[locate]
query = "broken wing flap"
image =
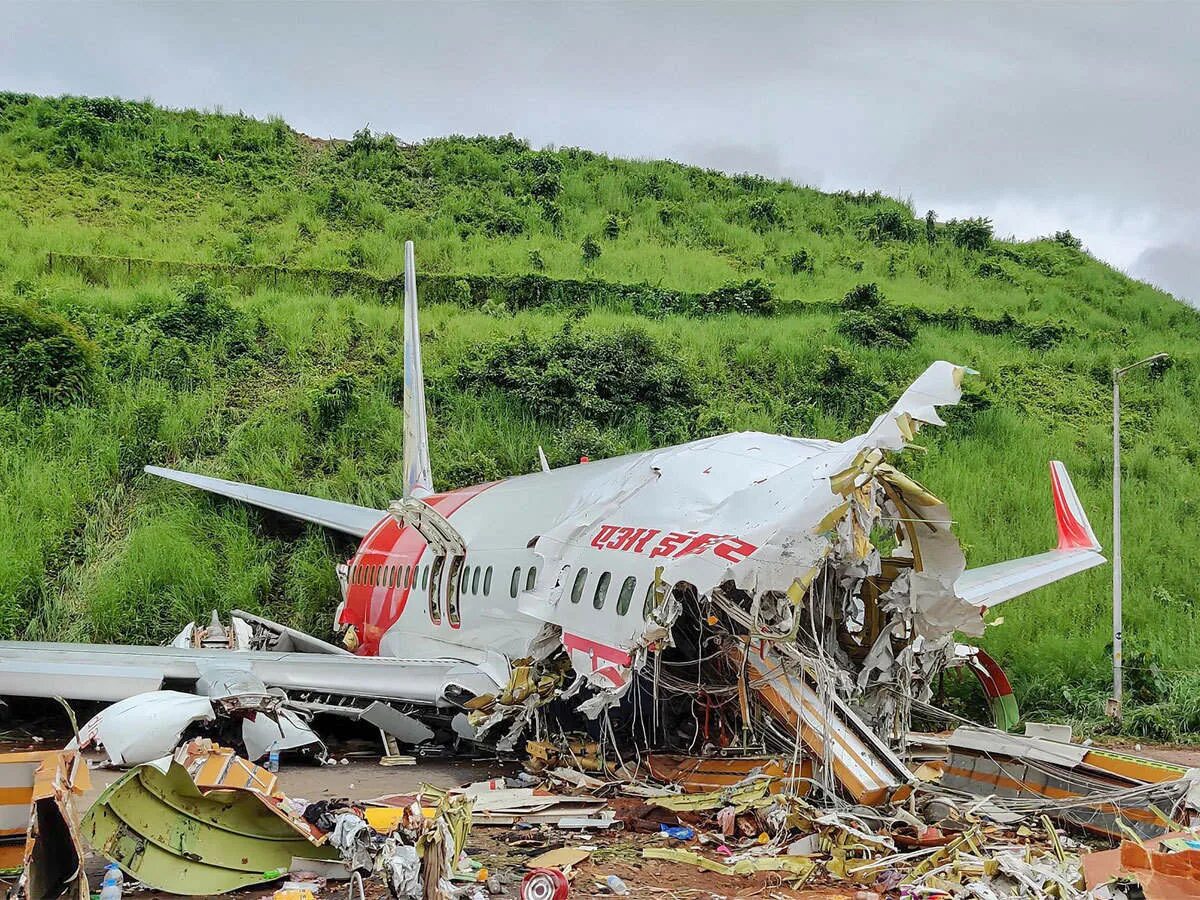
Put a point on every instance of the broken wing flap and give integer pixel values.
(1077, 550)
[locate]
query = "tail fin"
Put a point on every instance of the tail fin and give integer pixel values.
(1077, 551)
(418, 475)
(1074, 529)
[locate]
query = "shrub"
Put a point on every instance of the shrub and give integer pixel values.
(535, 260)
(603, 378)
(843, 387)
(882, 326)
(801, 261)
(931, 227)
(863, 296)
(1068, 240)
(202, 313)
(753, 296)
(590, 250)
(43, 357)
(612, 227)
(888, 224)
(970, 234)
(763, 213)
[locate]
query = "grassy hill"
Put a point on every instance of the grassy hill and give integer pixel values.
(588, 304)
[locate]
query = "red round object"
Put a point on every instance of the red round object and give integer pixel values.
(545, 884)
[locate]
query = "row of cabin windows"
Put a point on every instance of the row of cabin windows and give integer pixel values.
(389, 576)
(407, 577)
(469, 579)
(600, 593)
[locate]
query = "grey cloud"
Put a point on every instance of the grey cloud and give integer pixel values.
(1041, 116)
(1173, 267)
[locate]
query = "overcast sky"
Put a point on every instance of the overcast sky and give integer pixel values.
(1042, 117)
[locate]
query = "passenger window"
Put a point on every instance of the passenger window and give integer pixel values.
(531, 578)
(475, 581)
(648, 606)
(487, 581)
(515, 583)
(465, 578)
(394, 571)
(412, 576)
(626, 595)
(577, 589)
(372, 575)
(601, 594)
(425, 578)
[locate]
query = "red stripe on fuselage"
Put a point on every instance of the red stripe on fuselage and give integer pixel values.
(371, 609)
(596, 650)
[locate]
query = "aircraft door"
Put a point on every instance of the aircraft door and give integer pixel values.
(435, 589)
(454, 590)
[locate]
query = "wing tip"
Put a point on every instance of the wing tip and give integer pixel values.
(1074, 530)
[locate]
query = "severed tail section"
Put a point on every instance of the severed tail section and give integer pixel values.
(418, 475)
(1077, 551)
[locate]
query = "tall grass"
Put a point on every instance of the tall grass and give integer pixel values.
(302, 394)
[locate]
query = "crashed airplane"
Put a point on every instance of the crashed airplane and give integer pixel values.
(745, 591)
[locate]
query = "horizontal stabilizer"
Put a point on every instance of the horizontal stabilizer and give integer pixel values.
(1077, 551)
(344, 517)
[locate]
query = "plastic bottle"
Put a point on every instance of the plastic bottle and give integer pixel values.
(616, 885)
(273, 761)
(110, 888)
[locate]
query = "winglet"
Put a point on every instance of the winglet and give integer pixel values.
(1074, 530)
(418, 475)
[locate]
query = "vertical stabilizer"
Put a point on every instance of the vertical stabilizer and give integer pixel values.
(418, 476)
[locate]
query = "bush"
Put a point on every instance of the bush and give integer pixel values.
(43, 357)
(864, 296)
(202, 313)
(801, 261)
(612, 227)
(602, 378)
(753, 296)
(763, 214)
(883, 326)
(889, 224)
(590, 250)
(970, 234)
(1068, 240)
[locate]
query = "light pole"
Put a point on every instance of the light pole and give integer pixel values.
(1118, 374)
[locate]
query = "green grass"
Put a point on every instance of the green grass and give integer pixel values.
(292, 387)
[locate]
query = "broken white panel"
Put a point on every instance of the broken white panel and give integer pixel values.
(144, 727)
(285, 731)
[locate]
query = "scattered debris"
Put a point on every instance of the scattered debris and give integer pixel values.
(163, 829)
(38, 810)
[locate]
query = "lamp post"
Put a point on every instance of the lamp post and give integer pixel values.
(1118, 374)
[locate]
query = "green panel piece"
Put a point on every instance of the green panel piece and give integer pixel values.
(1005, 715)
(161, 830)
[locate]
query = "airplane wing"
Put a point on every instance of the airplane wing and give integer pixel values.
(344, 517)
(111, 672)
(1077, 551)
